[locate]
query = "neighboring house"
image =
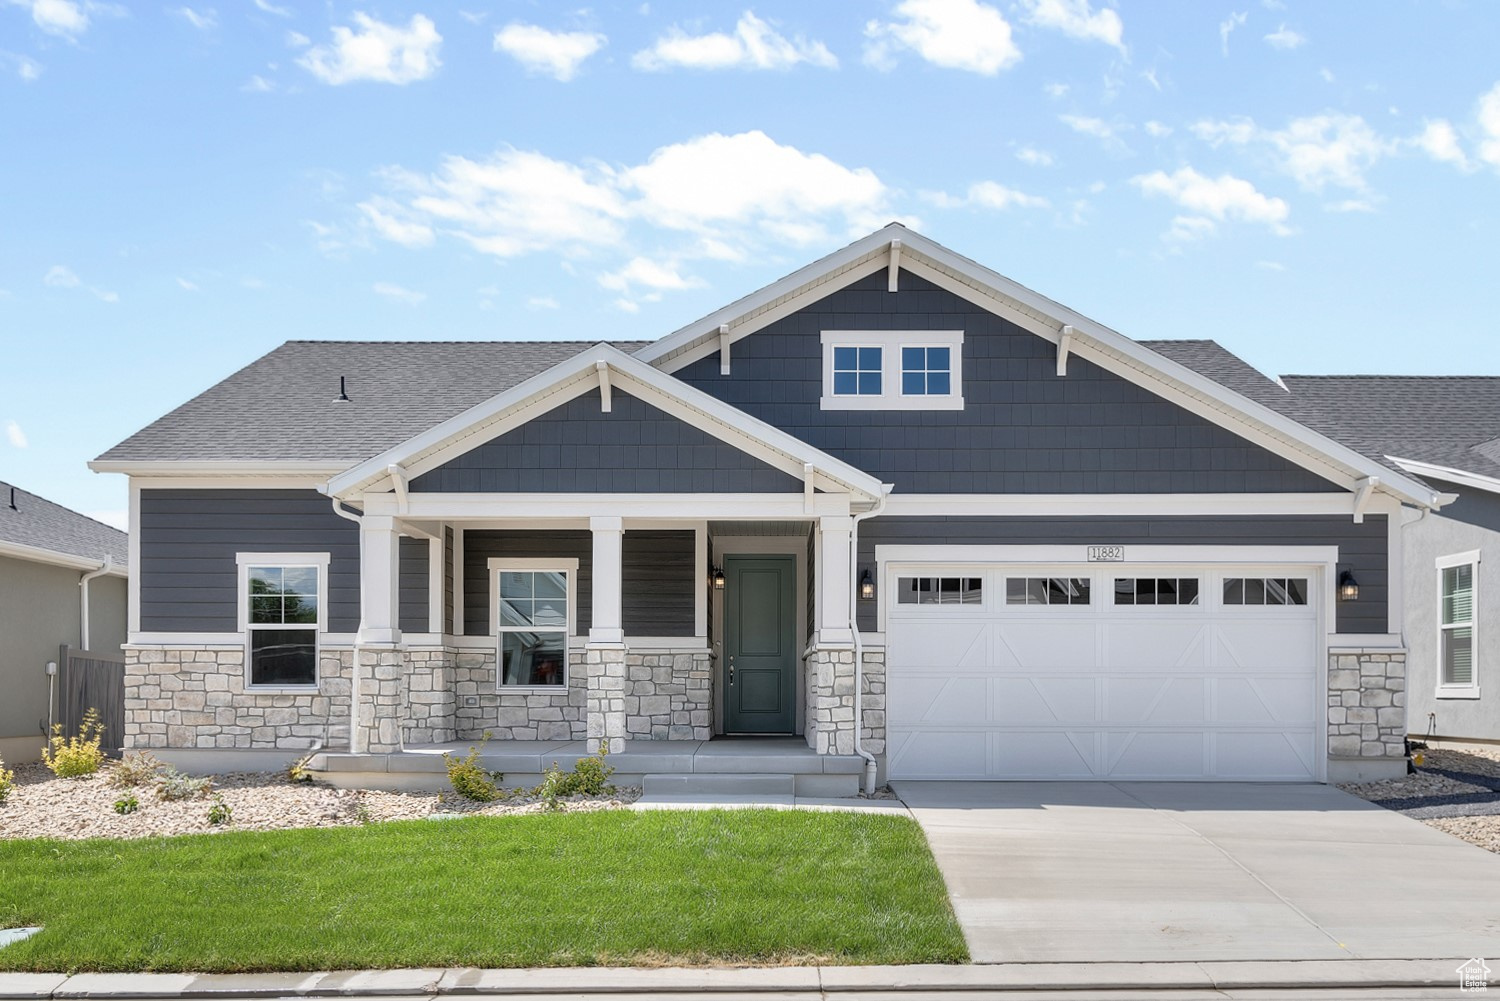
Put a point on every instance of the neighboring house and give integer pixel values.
(62, 581)
(1444, 430)
(894, 503)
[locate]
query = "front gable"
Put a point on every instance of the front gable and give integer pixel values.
(1022, 429)
(578, 448)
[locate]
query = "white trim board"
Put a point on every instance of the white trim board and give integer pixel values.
(638, 510)
(36, 554)
(1106, 505)
(1078, 554)
(1448, 474)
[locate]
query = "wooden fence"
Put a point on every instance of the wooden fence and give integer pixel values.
(87, 681)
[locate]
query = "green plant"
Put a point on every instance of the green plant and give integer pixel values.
(127, 804)
(132, 770)
(172, 784)
(589, 777)
(7, 782)
(220, 812)
(551, 790)
(298, 771)
(72, 757)
(470, 779)
(362, 814)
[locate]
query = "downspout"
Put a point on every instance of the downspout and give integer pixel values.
(859, 646)
(83, 598)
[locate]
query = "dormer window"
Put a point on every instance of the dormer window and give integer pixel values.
(893, 370)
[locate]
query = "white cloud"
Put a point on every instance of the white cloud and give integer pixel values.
(1270, 265)
(399, 294)
(115, 518)
(755, 45)
(1187, 228)
(60, 276)
(15, 435)
(557, 54)
(63, 18)
(1351, 205)
(1076, 19)
(388, 219)
(1285, 39)
(1056, 91)
(271, 8)
(1213, 200)
(187, 286)
(204, 20)
(989, 195)
(955, 34)
(1108, 133)
(296, 40)
(25, 67)
(1157, 130)
(1035, 157)
(257, 85)
(1317, 151)
(1489, 126)
(541, 302)
(1326, 74)
(377, 51)
(642, 272)
(1227, 26)
(1439, 140)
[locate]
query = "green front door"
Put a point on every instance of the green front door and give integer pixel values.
(760, 644)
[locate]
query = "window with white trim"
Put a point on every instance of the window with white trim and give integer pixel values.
(1156, 590)
(281, 600)
(1457, 579)
(1047, 590)
(534, 616)
(939, 591)
(893, 370)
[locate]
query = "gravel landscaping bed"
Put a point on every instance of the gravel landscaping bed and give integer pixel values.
(1455, 791)
(44, 806)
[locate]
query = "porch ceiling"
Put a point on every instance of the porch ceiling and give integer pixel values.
(744, 529)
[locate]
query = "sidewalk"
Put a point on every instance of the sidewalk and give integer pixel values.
(816, 980)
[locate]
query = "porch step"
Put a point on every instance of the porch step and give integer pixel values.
(732, 786)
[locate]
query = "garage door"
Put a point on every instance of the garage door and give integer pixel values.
(1083, 672)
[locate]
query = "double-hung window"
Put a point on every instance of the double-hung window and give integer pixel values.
(534, 616)
(893, 370)
(1457, 583)
(281, 597)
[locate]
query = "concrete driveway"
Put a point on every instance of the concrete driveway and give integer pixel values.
(1099, 872)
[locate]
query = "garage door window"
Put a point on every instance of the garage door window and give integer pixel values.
(1156, 590)
(1047, 590)
(939, 591)
(1265, 590)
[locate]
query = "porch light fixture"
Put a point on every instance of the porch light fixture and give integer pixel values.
(1348, 587)
(867, 587)
(718, 578)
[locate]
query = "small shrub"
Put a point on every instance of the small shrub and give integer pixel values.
(127, 804)
(298, 771)
(362, 814)
(73, 757)
(172, 784)
(552, 788)
(220, 812)
(7, 782)
(591, 774)
(469, 779)
(132, 770)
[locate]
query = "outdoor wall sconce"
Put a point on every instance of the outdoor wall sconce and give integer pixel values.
(866, 587)
(718, 578)
(1348, 587)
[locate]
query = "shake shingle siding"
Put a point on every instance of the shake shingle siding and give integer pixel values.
(413, 586)
(1362, 547)
(636, 448)
(189, 540)
(1022, 430)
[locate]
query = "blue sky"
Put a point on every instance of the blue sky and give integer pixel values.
(183, 188)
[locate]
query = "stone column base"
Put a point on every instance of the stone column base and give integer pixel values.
(1366, 713)
(379, 699)
(605, 664)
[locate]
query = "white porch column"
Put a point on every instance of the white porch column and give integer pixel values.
(604, 658)
(378, 695)
(835, 585)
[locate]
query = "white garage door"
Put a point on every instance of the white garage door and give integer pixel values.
(1089, 672)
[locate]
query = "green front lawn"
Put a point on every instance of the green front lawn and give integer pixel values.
(613, 887)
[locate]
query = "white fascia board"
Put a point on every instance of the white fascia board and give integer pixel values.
(1448, 474)
(944, 555)
(579, 375)
(36, 554)
(637, 510)
(1042, 316)
(228, 467)
(1137, 505)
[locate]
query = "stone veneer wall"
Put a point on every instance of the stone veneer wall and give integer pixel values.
(533, 715)
(830, 700)
(606, 696)
(195, 697)
(1366, 703)
(431, 698)
(668, 695)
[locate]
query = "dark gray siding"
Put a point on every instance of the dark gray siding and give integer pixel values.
(447, 579)
(1023, 429)
(636, 448)
(412, 593)
(812, 583)
(1473, 507)
(661, 583)
(1361, 547)
(658, 576)
(189, 539)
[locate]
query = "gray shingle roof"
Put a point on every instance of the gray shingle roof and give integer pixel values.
(280, 407)
(41, 524)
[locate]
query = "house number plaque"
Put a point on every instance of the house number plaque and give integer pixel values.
(1106, 554)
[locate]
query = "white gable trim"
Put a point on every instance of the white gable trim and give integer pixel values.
(1448, 474)
(51, 557)
(581, 374)
(1045, 318)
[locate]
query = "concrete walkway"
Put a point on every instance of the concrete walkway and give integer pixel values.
(1208, 872)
